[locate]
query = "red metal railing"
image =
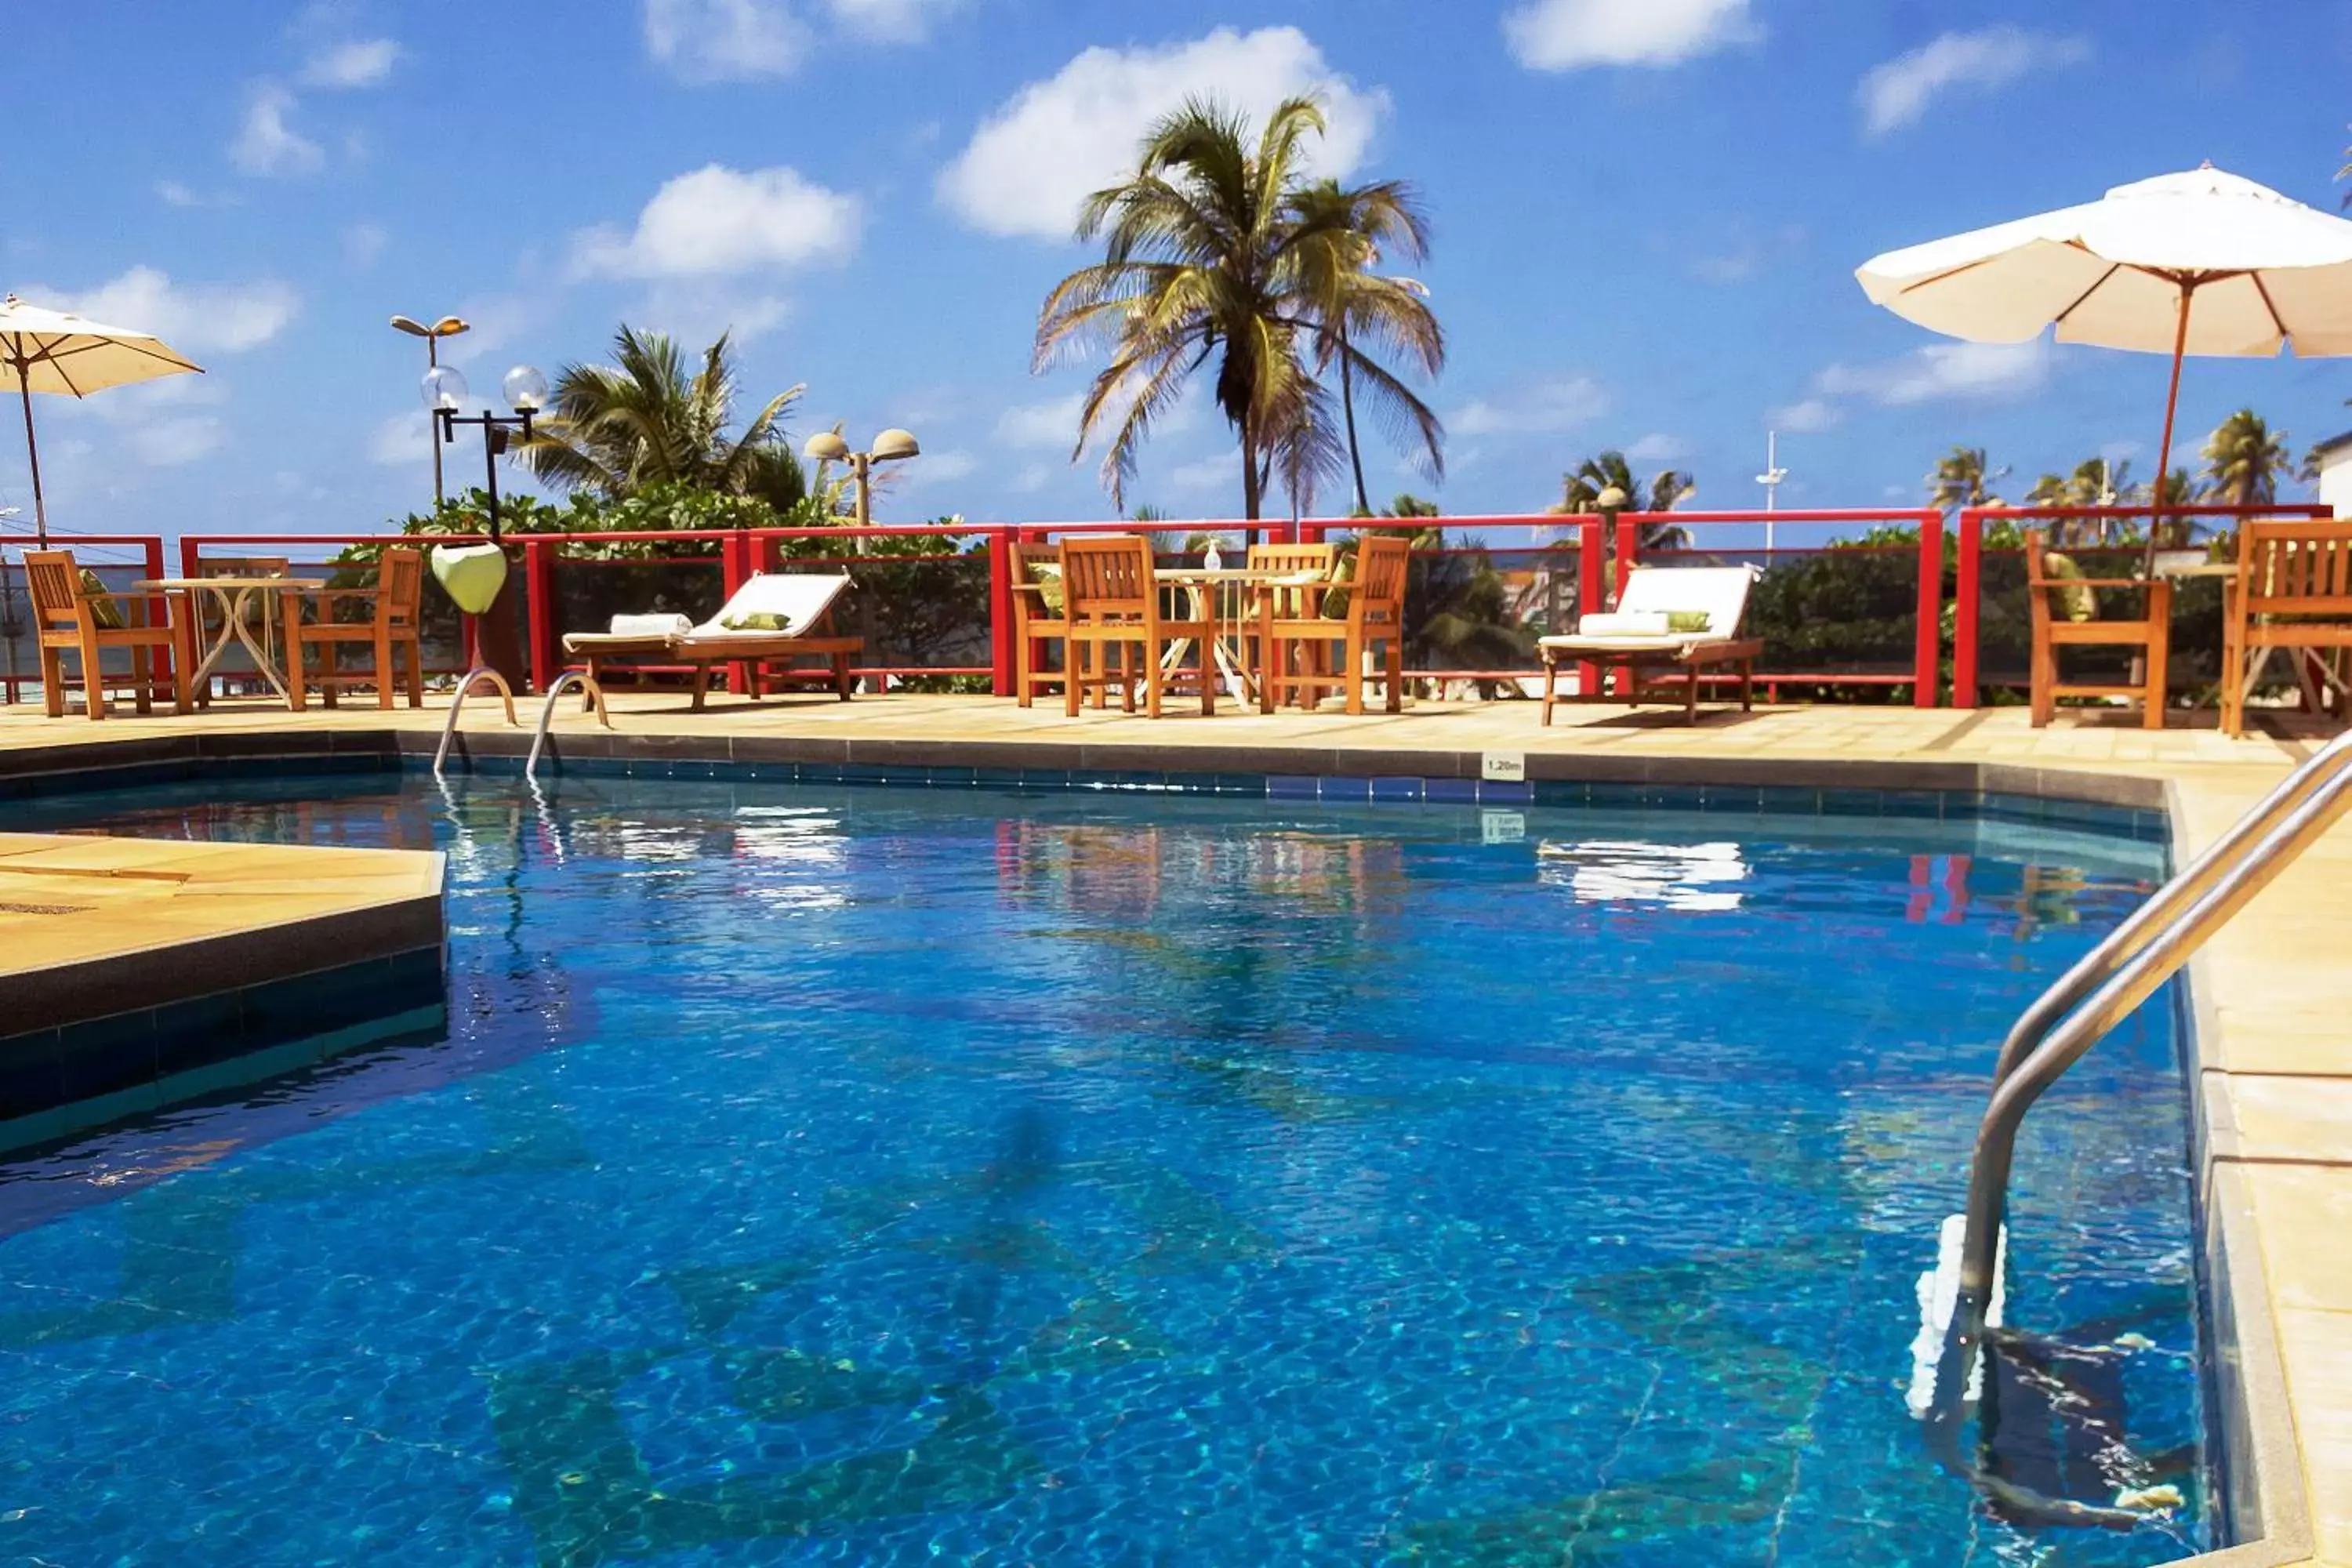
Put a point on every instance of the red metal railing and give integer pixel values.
(151, 566)
(1968, 589)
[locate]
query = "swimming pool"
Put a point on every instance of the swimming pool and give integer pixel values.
(892, 1176)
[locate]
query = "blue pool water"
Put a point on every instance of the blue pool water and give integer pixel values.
(895, 1176)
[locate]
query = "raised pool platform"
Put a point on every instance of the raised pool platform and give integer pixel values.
(2271, 1049)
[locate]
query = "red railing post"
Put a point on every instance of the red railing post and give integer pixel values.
(734, 571)
(158, 606)
(1592, 597)
(539, 593)
(1965, 609)
(1001, 652)
(1629, 550)
(1927, 646)
(190, 552)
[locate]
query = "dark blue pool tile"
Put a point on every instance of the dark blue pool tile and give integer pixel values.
(1496, 792)
(996, 778)
(1743, 799)
(1852, 802)
(198, 1033)
(1293, 787)
(1045, 778)
(1463, 791)
(1675, 797)
(952, 777)
(1345, 789)
(820, 773)
(1398, 789)
(29, 1078)
(1800, 800)
(104, 1055)
(1914, 802)
(1613, 795)
(1240, 783)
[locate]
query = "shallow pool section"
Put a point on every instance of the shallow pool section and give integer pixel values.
(898, 1176)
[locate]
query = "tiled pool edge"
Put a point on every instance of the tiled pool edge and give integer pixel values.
(2261, 1460)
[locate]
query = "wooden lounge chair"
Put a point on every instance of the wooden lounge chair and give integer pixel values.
(68, 617)
(2060, 601)
(1353, 613)
(773, 618)
(1111, 600)
(2292, 594)
(394, 631)
(1643, 634)
(1037, 617)
(1311, 564)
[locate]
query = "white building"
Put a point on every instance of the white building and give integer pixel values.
(2335, 458)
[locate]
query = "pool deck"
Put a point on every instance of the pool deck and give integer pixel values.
(2272, 992)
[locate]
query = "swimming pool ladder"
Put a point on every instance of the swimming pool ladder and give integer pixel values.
(595, 695)
(2134, 961)
(480, 672)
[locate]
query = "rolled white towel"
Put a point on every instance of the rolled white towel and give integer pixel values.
(651, 626)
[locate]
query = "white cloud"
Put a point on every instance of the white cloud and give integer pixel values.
(265, 144)
(889, 21)
(1207, 474)
(364, 242)
(933, 469)
(404, 440)
(168, 443)
(717, 221)
(1567, 35)
(1896, 92)
(1941, 371)
(173, 193)
(364, 62)
(1803, 417)
(1546, 408)
(1053, 422)
(697, 311)
(1055, 142)
(725, 40)
(1658, 449)
(199, 318)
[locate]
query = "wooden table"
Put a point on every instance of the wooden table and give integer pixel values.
(1223, 612)
(235, 594)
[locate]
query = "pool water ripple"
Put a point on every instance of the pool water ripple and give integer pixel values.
(866, 1175)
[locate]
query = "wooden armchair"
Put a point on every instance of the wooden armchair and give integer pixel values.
(258, 609)
(2292, 594)
(2062, 604)
(1111, 605)
(1285, 601)
(70, 617)
(394, 627)
(1372, 612)
(1037, 617)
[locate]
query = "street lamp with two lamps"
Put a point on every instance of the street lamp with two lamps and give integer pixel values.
(472, 575)
(445, 394)
(892, 445)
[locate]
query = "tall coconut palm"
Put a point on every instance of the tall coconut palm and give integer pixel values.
(2095, 481)
(647, 419)
(1962, 479)
(1209, 257)
(2245, 460)
(1350, 230)
(1605, 483)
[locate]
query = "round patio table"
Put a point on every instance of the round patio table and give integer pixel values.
(1206, 587)
(235, 595)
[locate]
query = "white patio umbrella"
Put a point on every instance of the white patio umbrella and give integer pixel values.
(55, 350)
(2196, 263)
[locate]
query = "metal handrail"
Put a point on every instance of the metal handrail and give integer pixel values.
(458, 704)
(595, 693)
(2129, 966)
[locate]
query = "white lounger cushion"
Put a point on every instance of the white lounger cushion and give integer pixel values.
(800, 599)
(1652, 592)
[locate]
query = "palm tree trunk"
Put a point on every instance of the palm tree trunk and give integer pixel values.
(1348, 405)
(1249, 472)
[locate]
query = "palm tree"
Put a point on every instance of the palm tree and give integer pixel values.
(1349, 229)
(1605, 484)
(2244, 459)
(1208, 256)
(648, 420)
(2095, 481)
(1962, 479)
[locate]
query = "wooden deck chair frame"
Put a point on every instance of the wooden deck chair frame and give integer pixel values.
(67, 618)
(394, 631)
(2291, 594)
(2149, 637)
(1111, 603)
(1374, 615)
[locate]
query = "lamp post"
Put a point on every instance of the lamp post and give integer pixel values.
(1771, 480)
(474, 576)
(447, 327)
(892, 445)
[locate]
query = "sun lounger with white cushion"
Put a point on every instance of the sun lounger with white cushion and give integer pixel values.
(1683, 617)
(775, 616)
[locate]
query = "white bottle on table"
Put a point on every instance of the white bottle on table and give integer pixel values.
(1210, 560)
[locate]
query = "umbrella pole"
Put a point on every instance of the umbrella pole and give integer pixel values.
(2171, 403)
(33, 455)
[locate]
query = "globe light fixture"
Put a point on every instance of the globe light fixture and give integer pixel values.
(892, 445)
(444, 388)
(525, 389)
(447, 327)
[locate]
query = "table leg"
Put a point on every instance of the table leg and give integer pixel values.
(260, 654)
(201, 676)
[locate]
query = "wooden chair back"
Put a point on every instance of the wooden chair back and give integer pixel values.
(2039, 587)
(1294, 561)
(55, 584)
(1377, 595)
(1108, 578)
(1029, 609)
(400, 586)
(244, 565)
(2298, 567)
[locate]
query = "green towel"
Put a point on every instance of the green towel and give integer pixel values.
(756, 621)
(1335, 597)
(105, 609)
(1688, 620)
(2079, 602)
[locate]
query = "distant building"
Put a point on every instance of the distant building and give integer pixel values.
(2334, 456)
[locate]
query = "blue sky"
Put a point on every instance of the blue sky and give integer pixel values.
(1647, 213)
